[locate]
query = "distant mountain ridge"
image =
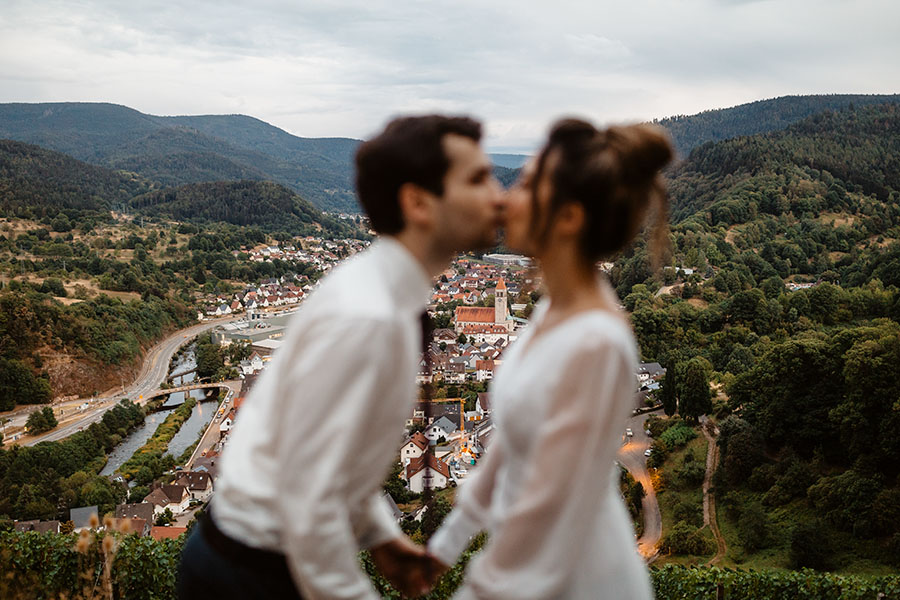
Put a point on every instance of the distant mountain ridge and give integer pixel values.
(761, 116)
(35, 182)
(198, 149)
(180, 150)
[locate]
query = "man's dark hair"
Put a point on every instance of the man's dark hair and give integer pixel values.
(409, 150)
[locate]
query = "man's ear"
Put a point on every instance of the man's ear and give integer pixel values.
(415, 205)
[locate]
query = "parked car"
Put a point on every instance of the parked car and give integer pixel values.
(648, 452)
(629, 432)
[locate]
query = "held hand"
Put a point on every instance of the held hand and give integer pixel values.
(405, 565)
(436, 568)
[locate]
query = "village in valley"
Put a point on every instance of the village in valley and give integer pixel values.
(478, 307)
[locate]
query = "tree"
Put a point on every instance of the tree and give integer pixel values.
(694, 396)
(636, 496)
(18, 384)
(461, 339)
(667, 392)
(810, 547)
(138, 493)
(753, 527)
(684, 539)
(396, 486)
(434, 516)
(54, 287)
(165, 518)
(209, 359)
(41, 420)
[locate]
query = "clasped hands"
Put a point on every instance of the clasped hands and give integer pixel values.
(407, 566)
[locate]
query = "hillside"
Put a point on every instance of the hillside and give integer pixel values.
(33, 179)
(785, 302)
(763, 116)
(819, 199)
(179, 150)
(269, 206)
(805, 200)
(196, 149)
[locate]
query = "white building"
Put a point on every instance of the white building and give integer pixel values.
(426, 471)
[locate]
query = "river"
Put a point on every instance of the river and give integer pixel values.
(200, 417)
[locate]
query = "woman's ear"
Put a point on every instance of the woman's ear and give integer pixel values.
(570, 218)
(415, 205)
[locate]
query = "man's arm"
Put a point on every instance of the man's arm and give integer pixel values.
(335, 384)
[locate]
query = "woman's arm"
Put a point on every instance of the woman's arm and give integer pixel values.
(568, 475)
(469, 515)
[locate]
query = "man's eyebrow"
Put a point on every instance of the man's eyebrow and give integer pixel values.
(481, 171)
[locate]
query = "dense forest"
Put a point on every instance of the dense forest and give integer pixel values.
(182, 150)
(266, 205)
(762, 116)
(194, 149)
(807, 413)
(66, 193)
(34, 180)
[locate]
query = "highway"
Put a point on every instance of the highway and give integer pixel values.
(153, 372)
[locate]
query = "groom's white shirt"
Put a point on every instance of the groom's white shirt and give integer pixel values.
(303, 467)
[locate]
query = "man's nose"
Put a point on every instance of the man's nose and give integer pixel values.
(500, 194)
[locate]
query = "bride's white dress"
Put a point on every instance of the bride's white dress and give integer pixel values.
(547, 490)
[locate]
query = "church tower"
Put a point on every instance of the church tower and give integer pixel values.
(500, 314)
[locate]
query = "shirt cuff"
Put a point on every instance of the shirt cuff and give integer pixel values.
(453, 537)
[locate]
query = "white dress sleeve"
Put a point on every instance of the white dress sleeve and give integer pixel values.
(468, 516)
(545, 532)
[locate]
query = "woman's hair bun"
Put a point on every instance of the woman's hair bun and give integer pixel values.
(614, 174)
(643, 150)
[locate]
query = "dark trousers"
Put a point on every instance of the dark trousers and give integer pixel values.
(216, 567)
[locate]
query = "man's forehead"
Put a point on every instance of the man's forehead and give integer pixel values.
(463, 152)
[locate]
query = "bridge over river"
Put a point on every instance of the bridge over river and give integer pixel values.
(234, 385)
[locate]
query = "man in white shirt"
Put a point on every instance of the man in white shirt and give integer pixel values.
(299, 489)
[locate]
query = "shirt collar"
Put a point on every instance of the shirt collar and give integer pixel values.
(410, 286)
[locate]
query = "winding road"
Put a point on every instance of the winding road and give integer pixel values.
(153, 372)
(631, 456)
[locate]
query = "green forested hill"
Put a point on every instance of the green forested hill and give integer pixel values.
(179, 150)
(826, 162)
(267, 205)
(195, 149)
(40, 184)
(763, 116)
(792, 313)
(821, 196)
(33, 180)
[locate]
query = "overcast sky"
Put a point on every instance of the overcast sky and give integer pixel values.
(343, 67)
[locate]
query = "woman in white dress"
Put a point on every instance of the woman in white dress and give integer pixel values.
(547, 490)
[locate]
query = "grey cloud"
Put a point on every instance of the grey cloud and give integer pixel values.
(342, 67)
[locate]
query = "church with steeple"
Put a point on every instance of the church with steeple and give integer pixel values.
(472, 319)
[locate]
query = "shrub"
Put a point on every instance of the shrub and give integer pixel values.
(684, 539)
(691, 474)
(810, 547)
(677, 436)
(753, 528)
